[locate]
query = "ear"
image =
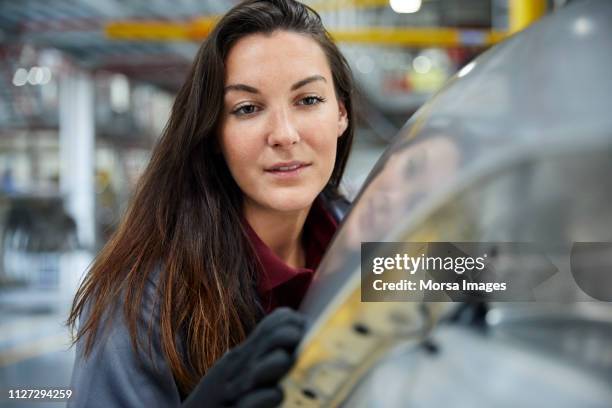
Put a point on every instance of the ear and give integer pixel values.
(342, 118)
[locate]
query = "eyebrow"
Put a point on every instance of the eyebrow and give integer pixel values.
(297, 85)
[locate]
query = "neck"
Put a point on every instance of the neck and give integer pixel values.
(280, 231)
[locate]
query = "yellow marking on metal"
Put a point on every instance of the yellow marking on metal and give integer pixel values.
(337, 356)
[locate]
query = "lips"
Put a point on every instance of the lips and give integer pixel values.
(287, 167)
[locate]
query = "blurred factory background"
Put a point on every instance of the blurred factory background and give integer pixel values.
(86, 87)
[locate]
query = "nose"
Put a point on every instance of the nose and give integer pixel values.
(283, 131)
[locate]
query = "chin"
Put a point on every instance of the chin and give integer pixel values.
(286, 201)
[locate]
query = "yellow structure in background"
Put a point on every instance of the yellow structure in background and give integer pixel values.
(418, 37)
(326, 5)
(413, 37)
(194, 30)
(525, 12)
(522, 13)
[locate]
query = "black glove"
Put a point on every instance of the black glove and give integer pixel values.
(248, 375)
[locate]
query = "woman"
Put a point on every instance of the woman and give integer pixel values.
(230, 219)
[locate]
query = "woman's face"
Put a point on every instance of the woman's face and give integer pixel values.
(281, 120)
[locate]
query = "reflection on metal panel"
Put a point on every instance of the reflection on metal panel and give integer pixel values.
(517, 147)
(467, 368)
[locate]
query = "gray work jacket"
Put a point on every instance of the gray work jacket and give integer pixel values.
(113, 375)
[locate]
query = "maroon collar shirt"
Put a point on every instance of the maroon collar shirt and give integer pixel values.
(280, 284)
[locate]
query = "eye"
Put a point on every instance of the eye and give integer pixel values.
(244, 110)
(311, 100)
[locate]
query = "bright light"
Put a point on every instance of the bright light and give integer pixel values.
(45, 75)
(583, 26)
(35, 76)
(494, 317)
(365, 64)
(119, 93)
(421, 64)
(405, 6)
(21, 77)
(466, 70)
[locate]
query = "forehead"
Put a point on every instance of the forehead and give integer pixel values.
(279, 56)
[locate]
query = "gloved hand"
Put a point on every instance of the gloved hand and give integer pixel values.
(247, 376)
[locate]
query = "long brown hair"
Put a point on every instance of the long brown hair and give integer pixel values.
(185, 217)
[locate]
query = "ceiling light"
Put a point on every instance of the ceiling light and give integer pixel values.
(405, 6)
(21, 77)
(35, 76)
(421, 64)
(119, 93)
(45, 75)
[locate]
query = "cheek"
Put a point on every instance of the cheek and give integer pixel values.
(237, 151)
(324, 140)
(328, 147)
(237, 142)
(331, 144)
